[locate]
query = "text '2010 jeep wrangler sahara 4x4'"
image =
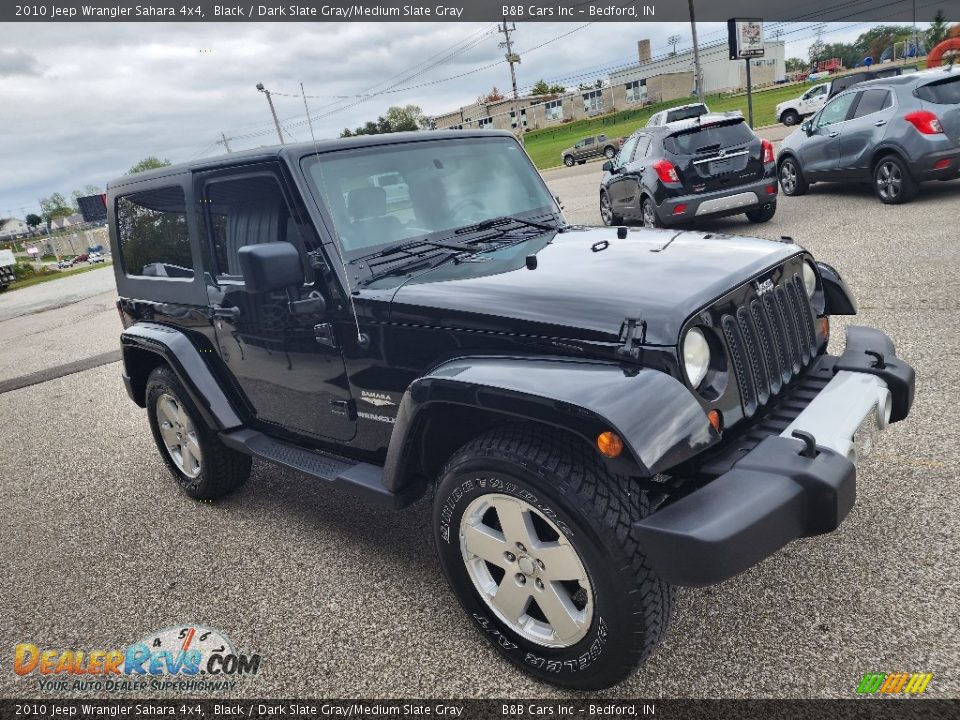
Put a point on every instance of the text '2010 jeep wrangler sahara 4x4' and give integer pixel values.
(602, 414)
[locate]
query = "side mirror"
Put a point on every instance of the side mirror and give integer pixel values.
(270, 266)
(608, 166)
(807, 126)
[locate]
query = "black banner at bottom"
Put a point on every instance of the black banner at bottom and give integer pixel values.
(867, 709)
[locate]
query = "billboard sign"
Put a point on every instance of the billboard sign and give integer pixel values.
(745, 37)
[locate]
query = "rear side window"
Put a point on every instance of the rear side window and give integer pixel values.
(152, 233)
(713, 137)
(872, 101)
(941, 92)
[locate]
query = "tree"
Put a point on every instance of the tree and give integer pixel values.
(347, 132)
(795, 65)
(397, 119)
(55, 207)
(151, 162)
(540, 87)
(938, 30)
(493, 96)
(815, 52)
(876, 40)
(87, 190)
(33, 221)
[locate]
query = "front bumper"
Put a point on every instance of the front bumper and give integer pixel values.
(729, 201)
(782, 490)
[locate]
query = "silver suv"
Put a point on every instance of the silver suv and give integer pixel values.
(893, 132)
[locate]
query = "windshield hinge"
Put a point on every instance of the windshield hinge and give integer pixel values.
(632, 333)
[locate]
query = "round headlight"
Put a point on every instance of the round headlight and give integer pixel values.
(696, 356)
(809, 279)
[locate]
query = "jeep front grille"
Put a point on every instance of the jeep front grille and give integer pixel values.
(771, 339)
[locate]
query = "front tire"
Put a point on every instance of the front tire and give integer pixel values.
(201, 464)
(606, 211)
(609, 152)
(892, 181)
(790, 118)
(762, 214)
(568, 160)
(536, 540)
(792, 181)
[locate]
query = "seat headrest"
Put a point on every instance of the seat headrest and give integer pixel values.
(368, 202)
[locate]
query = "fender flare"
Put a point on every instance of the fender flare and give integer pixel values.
(183, 357)
(839, 298)
(581, 397)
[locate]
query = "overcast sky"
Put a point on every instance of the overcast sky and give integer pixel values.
(81, 103)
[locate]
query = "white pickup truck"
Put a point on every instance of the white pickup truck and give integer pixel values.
(790, 112)
(7, 261)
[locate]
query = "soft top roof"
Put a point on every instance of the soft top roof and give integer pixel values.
(295, 151)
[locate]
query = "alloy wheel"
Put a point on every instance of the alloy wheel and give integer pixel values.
(606, 212)
(788, 177)
(526, 571)
(179, 435)
(649, 217)
(889, 180)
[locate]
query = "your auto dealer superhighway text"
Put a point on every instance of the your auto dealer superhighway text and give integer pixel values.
(331, 11)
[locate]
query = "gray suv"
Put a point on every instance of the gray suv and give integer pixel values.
(893, 132)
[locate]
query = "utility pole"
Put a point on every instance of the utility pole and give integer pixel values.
(225, 144)
(512, 58)
(272, 110)
(697, 71)
(673, 40)
(916, 45)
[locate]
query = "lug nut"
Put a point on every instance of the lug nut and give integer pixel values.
(509, 556)
(540, 564)
(539, 584)
(521, 579)
(521, 548)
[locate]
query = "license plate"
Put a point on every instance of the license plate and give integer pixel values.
(720, 167)
(866, 435)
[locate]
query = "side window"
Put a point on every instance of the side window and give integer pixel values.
(871, 101)
(246, 211)
(152, 233)
(626, 152)
(642, 147)
(836, 110)
(589, 141)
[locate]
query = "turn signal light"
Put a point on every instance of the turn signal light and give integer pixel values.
(924, 121)
(680, 209)
(767, 151)
(666, 171)
(825, 327)
(716, 419)
(609, 444)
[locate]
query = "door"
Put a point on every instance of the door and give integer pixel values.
(293, 383)
(624, 189)
(813, 99)
(820, 152)
(863, 132)
(589, 148)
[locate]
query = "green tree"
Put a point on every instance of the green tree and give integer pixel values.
(540, 87)
(795, 64)
(87, 190)
(937, 32)
(33, 221)
(55, 206)
(876, 40)
(152, 162)
(397, 119)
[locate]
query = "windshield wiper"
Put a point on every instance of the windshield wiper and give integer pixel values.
(505, 220)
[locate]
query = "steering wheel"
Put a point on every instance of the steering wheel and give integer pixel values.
(469, 210)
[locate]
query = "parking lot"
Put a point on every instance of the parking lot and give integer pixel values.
(344, 600)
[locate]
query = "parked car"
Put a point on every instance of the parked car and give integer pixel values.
(677, 114)
(599, 415)
(673, 174)
(893, 133)
(81, 258)
(65, 263)
(93, 258)
(587, 148)
(844, 82)
(791, 112)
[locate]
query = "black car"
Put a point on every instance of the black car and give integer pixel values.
(599, 415)
(708, 167)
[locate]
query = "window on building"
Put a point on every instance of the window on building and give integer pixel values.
(636, 91)
(553, 110)
(593, 101)
(483, 122)
(153, 236)
(523, 118)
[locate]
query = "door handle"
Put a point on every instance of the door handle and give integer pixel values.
(225, 312)
(878, 123)
(834, 134)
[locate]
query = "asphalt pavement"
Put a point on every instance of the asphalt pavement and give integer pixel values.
(344, 600)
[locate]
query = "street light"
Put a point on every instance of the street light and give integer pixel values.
(273, 111)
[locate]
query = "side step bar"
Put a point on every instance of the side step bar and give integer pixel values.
(362, 479)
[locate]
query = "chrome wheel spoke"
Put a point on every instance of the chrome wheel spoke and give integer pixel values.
(485, 543)
(168, 434)
(558, 608)
(560, 562)
(178, 435)
(511, 599)
(516, 522)
(169, 408)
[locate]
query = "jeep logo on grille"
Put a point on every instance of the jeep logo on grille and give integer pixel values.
(764, 287)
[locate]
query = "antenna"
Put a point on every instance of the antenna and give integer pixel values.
(362, 340)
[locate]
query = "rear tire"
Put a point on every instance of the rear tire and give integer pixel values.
(568, 160)
(606, 211)
(521, 494)
(790, 118)
(792, 181)
(762, 214)
(648, 214)
(892, 182)
(201, 464)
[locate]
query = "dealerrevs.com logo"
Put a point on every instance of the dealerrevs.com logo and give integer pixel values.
(188, 658)
(894, 683)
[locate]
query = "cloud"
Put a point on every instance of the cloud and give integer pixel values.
(18, 62)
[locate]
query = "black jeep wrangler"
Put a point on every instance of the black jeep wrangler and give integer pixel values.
(600, 415)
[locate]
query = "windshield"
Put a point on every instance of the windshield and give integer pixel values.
(437, 186)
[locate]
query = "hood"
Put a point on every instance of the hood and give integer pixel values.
(583, 290)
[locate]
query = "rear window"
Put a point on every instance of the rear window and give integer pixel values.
(686, 113)
(690, 142)
(872, 101)
(152, 230)
(941, 92)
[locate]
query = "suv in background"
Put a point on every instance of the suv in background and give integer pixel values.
(588, 148)
(893, 132)
(596, 416)
(676, 114)
(681, 172)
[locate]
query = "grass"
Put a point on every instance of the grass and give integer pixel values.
(545, 146)
(47, 277)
